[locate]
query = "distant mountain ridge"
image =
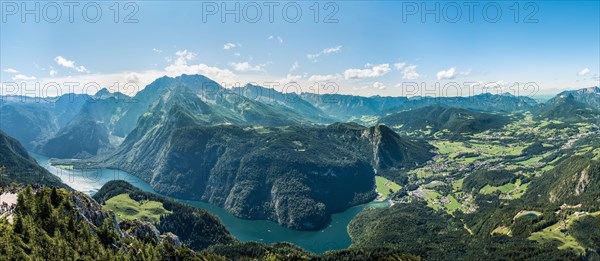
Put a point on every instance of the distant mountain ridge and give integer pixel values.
(438, 118)
(285, 101)
(589, 96)
(566, 107)
(33, 122)
(348, 107)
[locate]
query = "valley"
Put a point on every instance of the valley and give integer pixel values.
(325, 185)
(333, 237)
(300, 130)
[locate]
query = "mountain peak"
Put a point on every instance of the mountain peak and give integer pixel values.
(192, 76)
(194, 82)
(564, 98)
(250, 86)
(589, 96)
(593, 89)
(102, 92)
(568, 96)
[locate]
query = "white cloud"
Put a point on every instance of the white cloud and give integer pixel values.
(180, 66)
(399, 66)
(247, 67)
(452, 73)
(325, 78)
(52, 72)
(584, 72)
(312, 56)
(475, 84)
(295, 66)
(466, 73)
(22, 77)
(84, 81)
(214, 73)
(69, 64)
(183, 56)
(228, 46)
(498, 85)
(279, 39)
(237, 54)
(375, 71)
(158, 51)
(379, 85)
(330, 50)
(11, 70)
(410, 72)
(447, 74)
(290, 78)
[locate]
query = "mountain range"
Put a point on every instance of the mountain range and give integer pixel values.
(570, 107)
(436, 118)
(297, 159)
(37, 122)
(253, 150)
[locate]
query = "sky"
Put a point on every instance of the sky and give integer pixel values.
(388, 48)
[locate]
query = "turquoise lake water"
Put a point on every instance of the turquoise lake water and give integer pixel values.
(334, 236)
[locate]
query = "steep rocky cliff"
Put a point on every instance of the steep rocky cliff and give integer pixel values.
(296, 176)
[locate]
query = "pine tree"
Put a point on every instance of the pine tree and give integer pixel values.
(18, 228)
(45, 208)
(55, 197)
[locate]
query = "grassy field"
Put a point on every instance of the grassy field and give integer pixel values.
(451, 148)
(431, 197)
(556, 233)
(547, 168)
(501, 230)
(532, 160)
(421, 172)
(383, 186)
(433, 184)
(434, 200)
(501, 149)
(584, 150)
(67, 167)
(514, 190)
(453, 205)
(457, 185)
(127, 208)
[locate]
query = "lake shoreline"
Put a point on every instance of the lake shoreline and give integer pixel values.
(332, 237)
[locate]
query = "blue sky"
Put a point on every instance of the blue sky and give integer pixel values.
(374, 48)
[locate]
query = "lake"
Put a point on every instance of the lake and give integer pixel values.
(334, 236)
